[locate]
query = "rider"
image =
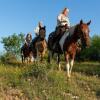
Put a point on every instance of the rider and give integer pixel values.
(62, 21)
(36, 31)
(28, 38)
(63, 24)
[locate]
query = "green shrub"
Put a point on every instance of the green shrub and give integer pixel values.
(36, 70)
(7, 58)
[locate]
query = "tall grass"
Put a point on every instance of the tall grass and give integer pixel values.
(43, 81)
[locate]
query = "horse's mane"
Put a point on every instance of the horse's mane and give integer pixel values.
(72, 29)
(72, 35)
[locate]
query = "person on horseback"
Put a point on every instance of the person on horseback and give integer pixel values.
(63, 25)
(36, 31)
(63, 22)
(63, 19)
(28, 38)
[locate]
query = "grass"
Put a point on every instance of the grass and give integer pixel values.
(43, 81)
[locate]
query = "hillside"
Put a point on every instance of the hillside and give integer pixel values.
(44, 82)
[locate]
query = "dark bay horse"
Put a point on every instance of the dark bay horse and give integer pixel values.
(68, 44)
(40, 45)
(26, 53)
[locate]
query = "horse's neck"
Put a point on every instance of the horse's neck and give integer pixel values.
(69, 33)
(74, 31)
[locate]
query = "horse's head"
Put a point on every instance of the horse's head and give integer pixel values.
(26, 44)
(83, 32)
(42, 32)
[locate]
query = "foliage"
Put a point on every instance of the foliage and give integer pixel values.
(38, 81)
(37, 71)
(13, 43)
(93, 52)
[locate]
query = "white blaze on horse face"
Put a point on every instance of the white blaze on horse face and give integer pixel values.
(86, 31)
(68, 67)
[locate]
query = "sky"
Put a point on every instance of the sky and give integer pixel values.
(23, 15)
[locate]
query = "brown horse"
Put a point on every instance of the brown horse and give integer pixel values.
(68, 44)
(40, 45)
(26, 53)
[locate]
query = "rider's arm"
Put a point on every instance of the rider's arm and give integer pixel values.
(36, 30)
(60, 18)
(68, 22)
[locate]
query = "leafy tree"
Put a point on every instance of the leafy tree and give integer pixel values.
(12, 44)
(95, 48)
(93, 52)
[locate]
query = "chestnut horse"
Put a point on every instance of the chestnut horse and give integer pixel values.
(68, 44)
(26, 53)
(40, 45)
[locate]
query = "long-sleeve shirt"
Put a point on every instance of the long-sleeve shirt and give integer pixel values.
(62, 20)
(36, 30)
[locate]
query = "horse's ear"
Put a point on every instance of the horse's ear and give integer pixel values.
(89, 22)
(81, 21)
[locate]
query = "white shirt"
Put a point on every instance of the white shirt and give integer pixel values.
(62, 20)
(36, 30)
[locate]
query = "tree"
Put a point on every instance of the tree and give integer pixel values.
(95, 48)
(93, 52)
(13, 43)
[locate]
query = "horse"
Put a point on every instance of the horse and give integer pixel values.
(68, 44)
(40, 45)
(26, 53)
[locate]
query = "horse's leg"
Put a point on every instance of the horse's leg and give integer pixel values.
(71, 65)
(37, 55)
(30, 59)
(67, 65)
(34, 58)
(22, 56)
(27, 60)
(72, 62)
(52, 54)
(58, 61)
(41, 55)
(49, 56)
(22, 59)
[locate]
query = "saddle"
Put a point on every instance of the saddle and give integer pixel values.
(60, 30)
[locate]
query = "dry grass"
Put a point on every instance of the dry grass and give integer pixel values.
(44, 82)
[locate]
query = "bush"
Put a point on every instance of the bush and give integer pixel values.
(8, 58)
(37, 71)
(91, 53)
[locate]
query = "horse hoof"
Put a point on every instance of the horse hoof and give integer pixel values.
(68, 76)
(59, 69)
